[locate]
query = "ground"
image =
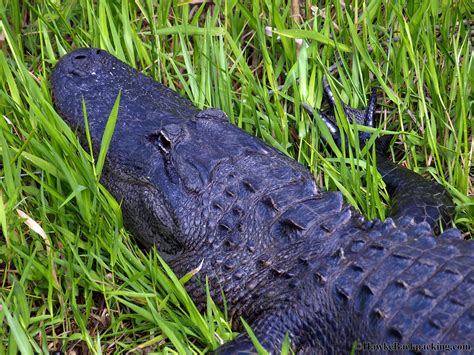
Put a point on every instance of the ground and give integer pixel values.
(72, 278)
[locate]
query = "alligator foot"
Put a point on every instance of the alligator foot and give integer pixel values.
(413, 198)
(361, 117)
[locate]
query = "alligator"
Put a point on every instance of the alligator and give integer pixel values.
(292, 260)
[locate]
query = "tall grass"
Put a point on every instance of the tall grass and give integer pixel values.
(72, 278)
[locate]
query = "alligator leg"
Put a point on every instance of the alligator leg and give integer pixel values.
(269, 329)
(412, 196)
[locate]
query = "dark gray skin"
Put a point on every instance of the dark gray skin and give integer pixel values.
(289, 257)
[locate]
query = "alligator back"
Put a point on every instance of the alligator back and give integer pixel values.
(399, 284)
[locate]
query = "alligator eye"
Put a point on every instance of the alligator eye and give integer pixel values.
(160, 139)
(165, 142)
(168, 137)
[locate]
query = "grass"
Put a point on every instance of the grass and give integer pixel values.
(71, 276)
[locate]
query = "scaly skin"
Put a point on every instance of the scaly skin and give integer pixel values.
(289, 257)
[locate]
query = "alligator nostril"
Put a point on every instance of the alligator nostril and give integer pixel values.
(98, 51)
(80, 56)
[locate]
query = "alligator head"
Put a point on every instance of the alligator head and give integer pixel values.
(163, 150)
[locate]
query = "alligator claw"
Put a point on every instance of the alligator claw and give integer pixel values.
(328, 92)
(361, 117)
(331, 126)
(369, 113)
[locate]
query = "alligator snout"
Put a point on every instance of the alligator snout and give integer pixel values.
(81, 63)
